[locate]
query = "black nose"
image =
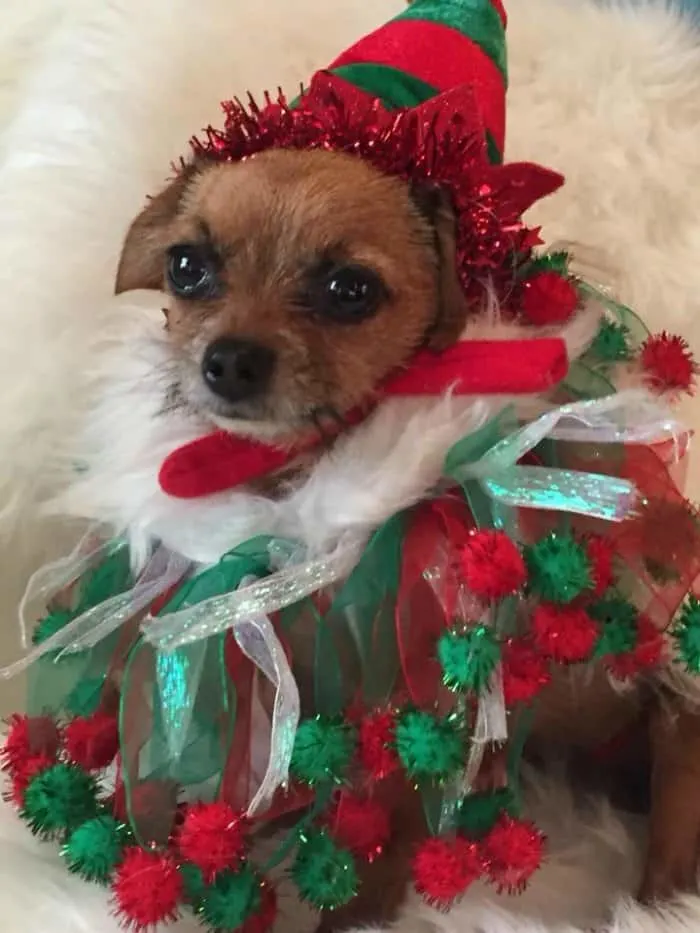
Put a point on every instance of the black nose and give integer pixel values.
(237, 370)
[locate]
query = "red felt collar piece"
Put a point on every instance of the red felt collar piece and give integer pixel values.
(220, 461)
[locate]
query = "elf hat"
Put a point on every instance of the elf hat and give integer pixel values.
(433, 47)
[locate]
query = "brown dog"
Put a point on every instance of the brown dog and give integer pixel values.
(298, 281)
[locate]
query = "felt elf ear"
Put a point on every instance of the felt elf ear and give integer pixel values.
(142, 262)
(435, 205)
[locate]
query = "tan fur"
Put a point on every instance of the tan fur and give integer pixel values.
(270, 219)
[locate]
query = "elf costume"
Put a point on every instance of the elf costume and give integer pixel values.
(551, 541)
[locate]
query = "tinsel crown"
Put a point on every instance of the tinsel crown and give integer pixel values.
(441, 143)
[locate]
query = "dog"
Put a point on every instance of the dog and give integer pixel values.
(297, 282)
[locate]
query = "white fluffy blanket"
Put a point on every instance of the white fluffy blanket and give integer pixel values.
(97, 98)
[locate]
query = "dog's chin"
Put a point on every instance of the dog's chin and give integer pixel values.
(257, 428)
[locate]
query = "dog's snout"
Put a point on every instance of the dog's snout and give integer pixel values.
(237, 370)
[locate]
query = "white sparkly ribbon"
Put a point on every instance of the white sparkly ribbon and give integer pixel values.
(50, 579)
(163, 571)
(258, 641)
(629, 417)
(260, 598)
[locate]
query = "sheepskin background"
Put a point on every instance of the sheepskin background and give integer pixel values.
(97, 98)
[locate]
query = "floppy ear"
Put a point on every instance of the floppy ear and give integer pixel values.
(434, 204)
(141, 262)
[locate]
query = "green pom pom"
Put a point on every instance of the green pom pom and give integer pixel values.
(193, 883)
(50, 624)
(323, 748)
(559, 569)
(686, 634)
(468, 658)
(59, 799)
(611, 344)
(549, 262)
(325, 874)
(618, 619)
(94, 849)
(427, 746)
(230, 900)
(479, 812)
(84, 699)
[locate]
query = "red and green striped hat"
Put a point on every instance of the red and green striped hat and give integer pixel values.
(433, 47)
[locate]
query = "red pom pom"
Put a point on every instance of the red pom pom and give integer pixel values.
(548, 298)
(443, 869)
(645, 655)
(600, 555)
(29, 738)
(375, 745)
(563, 633)
(93, 741)
(213, 837)
(147, 888)
(525, 671)
(361, 825)
(23, 774)
(668, 363)
(492, 565)
(512, 853)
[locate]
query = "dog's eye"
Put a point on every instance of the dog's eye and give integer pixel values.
(348, 294)
(191, 271)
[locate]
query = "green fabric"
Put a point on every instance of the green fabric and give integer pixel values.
(394, 88)
(476, 19)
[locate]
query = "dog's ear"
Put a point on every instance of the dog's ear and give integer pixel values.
(435, 206)
(141, 262)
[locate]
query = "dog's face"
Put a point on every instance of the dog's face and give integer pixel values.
(298, 282)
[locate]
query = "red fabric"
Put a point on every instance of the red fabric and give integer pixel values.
(409, 45)
(221, 461)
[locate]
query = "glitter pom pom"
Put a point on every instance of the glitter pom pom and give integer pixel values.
(564, 634)
(443, 869)
(361, 825)
(513, 852)
(548, 298)
(429, 747)
(492, 565)
(147, 889)
(324, 874)
(668, 363)
(94, 849)
(376, 750)
(525, 671)
(559, 568)
(92, 742)
(468, 658)
(212, 837)
(59, 799)
(323, 748)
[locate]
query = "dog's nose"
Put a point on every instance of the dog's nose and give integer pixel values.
(237, 370)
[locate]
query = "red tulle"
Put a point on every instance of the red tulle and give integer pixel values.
(375, 746)
(512, 852)
(600, 552)
(147, 888)
(264, 918)
(360, 824)
(212, 837)
(645, 655)
(443, 869)
(92, 742)
(548, 298)
(525, 671)
(492, 565)
(565, 634)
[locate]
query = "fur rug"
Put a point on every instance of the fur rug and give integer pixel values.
(96, 99)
